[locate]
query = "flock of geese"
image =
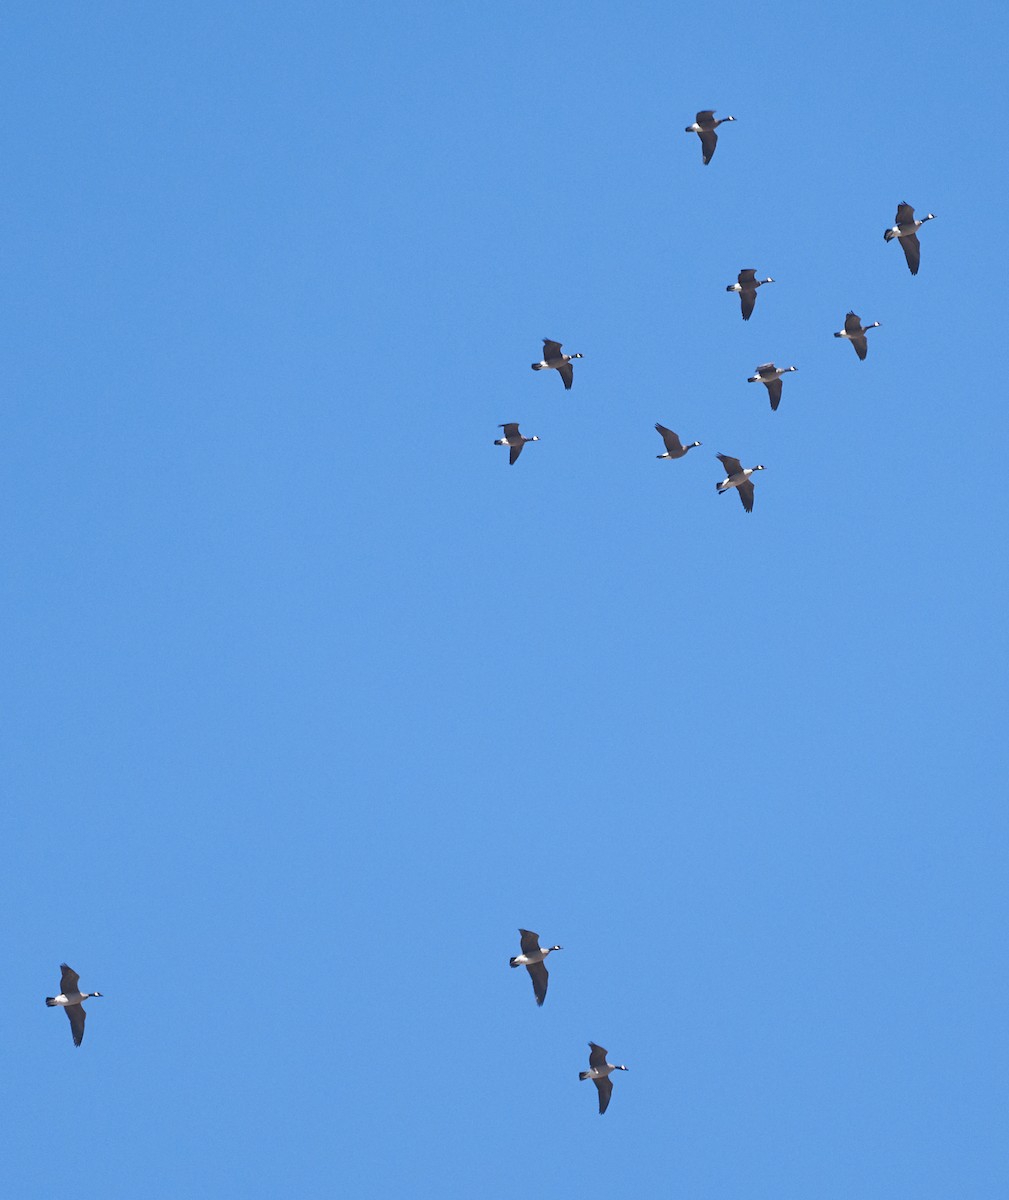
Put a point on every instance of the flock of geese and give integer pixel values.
(533, 958)
(737, 477)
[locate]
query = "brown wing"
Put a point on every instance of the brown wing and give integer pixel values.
(511, 429)
(745, 491)
(748, 277)
(709, 140)
(605, 1087)
(530, 941)
(551, 349)
(671, 439)
(732, 465)
(513, 454)
(567, 373)
(77, 1017)
(852, 323)
(69, 980)
(538, 974)
(597, 1057)
(707, 115)
(905, 213)
(912, 251)
(774, 389)
(747, 299)
(861, 346)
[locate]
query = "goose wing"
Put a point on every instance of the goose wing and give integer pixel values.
(514, 452)
(551, 350)
(69, 981)
(747, 299)
(597, 1056)
(538, 974)
(767, 368)
(671, 439)
(511, 429)
(77, 1017)
(852, 323)
(774, 389)
(912, 251)
(861, 346)
(732, 465)
(566, 372)
(707, 114)
(709, 140)
(748, 277)
(530, 941)
(745, 491)
(905, 213)
(605, 1086)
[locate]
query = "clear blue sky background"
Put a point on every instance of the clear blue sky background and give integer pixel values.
(311, 700)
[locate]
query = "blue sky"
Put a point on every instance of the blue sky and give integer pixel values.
(312, 701)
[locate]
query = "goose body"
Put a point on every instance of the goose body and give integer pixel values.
(737, 476)
(905, 230)
(555, 360)
(599, 1072)
(746, 285)
(70, 999)
(855, 332)
(674, 447)
(532, 958)
(514, 439)
(704, 126)
(770, 375)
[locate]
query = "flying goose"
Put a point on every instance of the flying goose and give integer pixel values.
(705, 127)
(70, 998)
(532, 959)
(855, 333)
(738, 477)
(674, 447)
(770, 375)
(599, 1072)
(746, 285)
(905, 230)
(554, 360)
(513, 438)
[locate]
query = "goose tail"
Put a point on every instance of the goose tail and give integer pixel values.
(584, 1075)
(50, 1001)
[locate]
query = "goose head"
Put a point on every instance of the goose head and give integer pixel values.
(767, 280)
(692, 445)
(552, 948)
(620, 1068)
(535, 438)
(760, 467)
(93, 994)
(577, 356)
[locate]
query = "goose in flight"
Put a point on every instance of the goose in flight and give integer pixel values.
(599, 1072)
(746, 285)
(532, 959)
(738, 477)
(70, 998)
(855, 333)
(554, 360)
(704, 126)
(674, 447)
(514, 439)
(905, 230)
(770, 375)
